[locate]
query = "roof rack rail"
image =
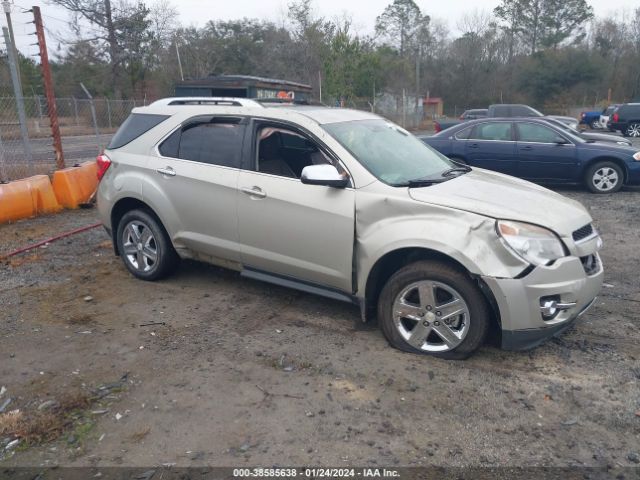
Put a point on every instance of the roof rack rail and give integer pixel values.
(288, 101)
(221, 101)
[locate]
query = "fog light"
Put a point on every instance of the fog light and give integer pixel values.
(551, 305)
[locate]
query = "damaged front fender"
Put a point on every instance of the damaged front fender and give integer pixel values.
(390, 221)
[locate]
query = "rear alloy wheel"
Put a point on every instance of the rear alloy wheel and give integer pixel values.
(605, 177)
(432, 308)
(633, 130)
(144, 246)
(595, 125)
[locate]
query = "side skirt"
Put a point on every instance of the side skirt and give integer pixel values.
(291, 282)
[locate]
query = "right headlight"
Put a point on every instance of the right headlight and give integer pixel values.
(534, 244)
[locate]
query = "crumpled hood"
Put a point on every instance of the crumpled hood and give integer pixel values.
(503, 197)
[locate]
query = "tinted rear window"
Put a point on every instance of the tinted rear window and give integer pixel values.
(217, 141)
(134, 126)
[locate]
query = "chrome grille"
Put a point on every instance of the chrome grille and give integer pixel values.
(583, 233)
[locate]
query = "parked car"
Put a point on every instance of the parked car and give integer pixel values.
(537, 150)
(474, 114)
(508, 111)
(606, 115)
(590, 136)
(591, 119)
(347, 205)
(505, 110)
(626, 119)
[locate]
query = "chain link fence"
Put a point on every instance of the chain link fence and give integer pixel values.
(86, 127)
(404, 110)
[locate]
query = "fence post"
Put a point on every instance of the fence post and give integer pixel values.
(95, 118)
(22, 117)
(75, 111)
(109, 112)
(3, 171)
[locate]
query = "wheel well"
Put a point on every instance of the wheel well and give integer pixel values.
(617, 161)
(391, 262)
(121, 207)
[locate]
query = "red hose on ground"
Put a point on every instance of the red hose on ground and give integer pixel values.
(50, 240)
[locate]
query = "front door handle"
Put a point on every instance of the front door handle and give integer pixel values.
(474, 145)
(167, 171)
(528, 147)
(254, 192)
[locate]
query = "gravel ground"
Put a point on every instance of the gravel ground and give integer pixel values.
(237, 372)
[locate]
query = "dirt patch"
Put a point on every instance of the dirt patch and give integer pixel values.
(228, 371)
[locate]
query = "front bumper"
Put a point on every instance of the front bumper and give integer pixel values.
(518, 300)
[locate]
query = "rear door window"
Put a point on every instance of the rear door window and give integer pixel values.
(137, 124)
(496, 131)
(216, 141)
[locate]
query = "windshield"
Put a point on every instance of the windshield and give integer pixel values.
(389, 152)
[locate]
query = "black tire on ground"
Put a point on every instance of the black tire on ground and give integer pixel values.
(447, 275)
(166, 259)
(605, 166)
(595, 125)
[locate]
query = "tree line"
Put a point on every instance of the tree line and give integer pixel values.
(547, 53)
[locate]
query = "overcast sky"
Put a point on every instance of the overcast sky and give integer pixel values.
(198, 12)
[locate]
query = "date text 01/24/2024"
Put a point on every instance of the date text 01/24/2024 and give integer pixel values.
(314, 473)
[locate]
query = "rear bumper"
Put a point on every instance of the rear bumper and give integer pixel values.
(518, 301)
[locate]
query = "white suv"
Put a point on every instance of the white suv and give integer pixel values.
(345, 204)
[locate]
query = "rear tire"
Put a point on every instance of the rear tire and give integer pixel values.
(604, 177)
(633, 130)
(145, 247)
(432, 308)
(595, 125)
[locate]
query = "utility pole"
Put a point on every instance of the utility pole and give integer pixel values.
(7, 11)
(22, 117)
(179, 61)
(48, 88)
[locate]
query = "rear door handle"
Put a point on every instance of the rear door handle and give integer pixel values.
(254, 192)
(474, 145)
(167, 171)
(528, 147)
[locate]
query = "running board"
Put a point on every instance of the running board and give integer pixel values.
(291, 282)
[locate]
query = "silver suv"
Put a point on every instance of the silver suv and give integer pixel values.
(347, 205)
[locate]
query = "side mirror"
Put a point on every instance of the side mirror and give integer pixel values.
(326, 175)
(562, 141)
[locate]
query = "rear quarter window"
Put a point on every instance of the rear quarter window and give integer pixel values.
(137, 124)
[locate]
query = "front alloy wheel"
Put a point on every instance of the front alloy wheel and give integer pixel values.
(431, 316)
(434, 308)
(605, 177)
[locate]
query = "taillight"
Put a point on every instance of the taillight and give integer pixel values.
(437, 127)
(583, 115)
(616, 117)
(104, 163)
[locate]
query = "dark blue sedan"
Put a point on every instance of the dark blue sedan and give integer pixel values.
(539, 151)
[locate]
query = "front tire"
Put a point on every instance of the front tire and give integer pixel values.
(145, 247)
(604, 177)
(432, 308)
